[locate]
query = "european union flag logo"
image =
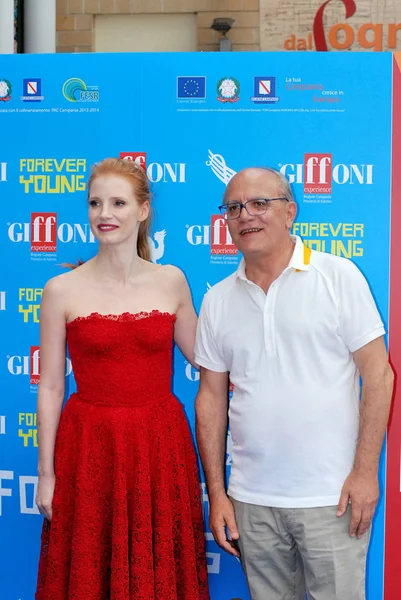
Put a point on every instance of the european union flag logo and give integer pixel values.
(191, 87)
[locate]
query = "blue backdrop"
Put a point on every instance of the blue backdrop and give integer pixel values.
(193, 120)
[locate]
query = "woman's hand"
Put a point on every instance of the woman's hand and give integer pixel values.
(44, 495)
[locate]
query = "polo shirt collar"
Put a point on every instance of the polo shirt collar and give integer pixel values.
(299, 261)
(300, 258)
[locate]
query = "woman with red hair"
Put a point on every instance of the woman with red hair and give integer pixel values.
(118, 479)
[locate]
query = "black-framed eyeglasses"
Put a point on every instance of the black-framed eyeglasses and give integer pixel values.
(254, 208)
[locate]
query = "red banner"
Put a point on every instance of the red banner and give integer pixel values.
(392, 569)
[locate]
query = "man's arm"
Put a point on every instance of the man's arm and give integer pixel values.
(361, 486)
(211, 430)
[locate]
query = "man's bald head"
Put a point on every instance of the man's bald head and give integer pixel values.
(257, 175)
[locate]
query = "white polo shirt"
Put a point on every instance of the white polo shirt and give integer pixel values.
(294, 414)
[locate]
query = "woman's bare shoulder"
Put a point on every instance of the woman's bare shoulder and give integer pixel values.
(172, 273)
(64, 282)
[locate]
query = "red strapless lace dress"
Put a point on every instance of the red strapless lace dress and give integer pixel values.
(127, 518)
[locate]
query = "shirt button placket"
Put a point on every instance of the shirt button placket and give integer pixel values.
(268, 320)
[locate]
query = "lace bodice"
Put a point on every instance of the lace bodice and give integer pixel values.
(122, 360)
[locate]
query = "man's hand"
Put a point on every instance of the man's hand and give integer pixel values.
(221, 517)
(362, 490)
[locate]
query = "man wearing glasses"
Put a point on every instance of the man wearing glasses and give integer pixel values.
(294, 330)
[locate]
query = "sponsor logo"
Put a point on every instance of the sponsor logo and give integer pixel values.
(210, 235)
(158, 172)
(29, 303)
(166, 172)
(35, 365)
(298, 86)
(29, 299)
(191, 87)
(295, 84)
(26, 365)
(217, 237)
(221, 241)
(156, 245)
(318, 174)
(32, 90)
(5, 90)
(30, 365)
(138, 157)
(43, 232)
(27, 487)
(264, 91)
(28, 429)
(198, 235)
(228, 90)
(76, 90)
(52, 175)
(317, 171)
(340, 239)
(3, 171)
(219, 167)
(191, 373)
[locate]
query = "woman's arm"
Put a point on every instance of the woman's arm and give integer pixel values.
(51, 387)
(185, 326)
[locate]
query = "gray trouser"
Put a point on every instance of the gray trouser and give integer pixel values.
(287, 552)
